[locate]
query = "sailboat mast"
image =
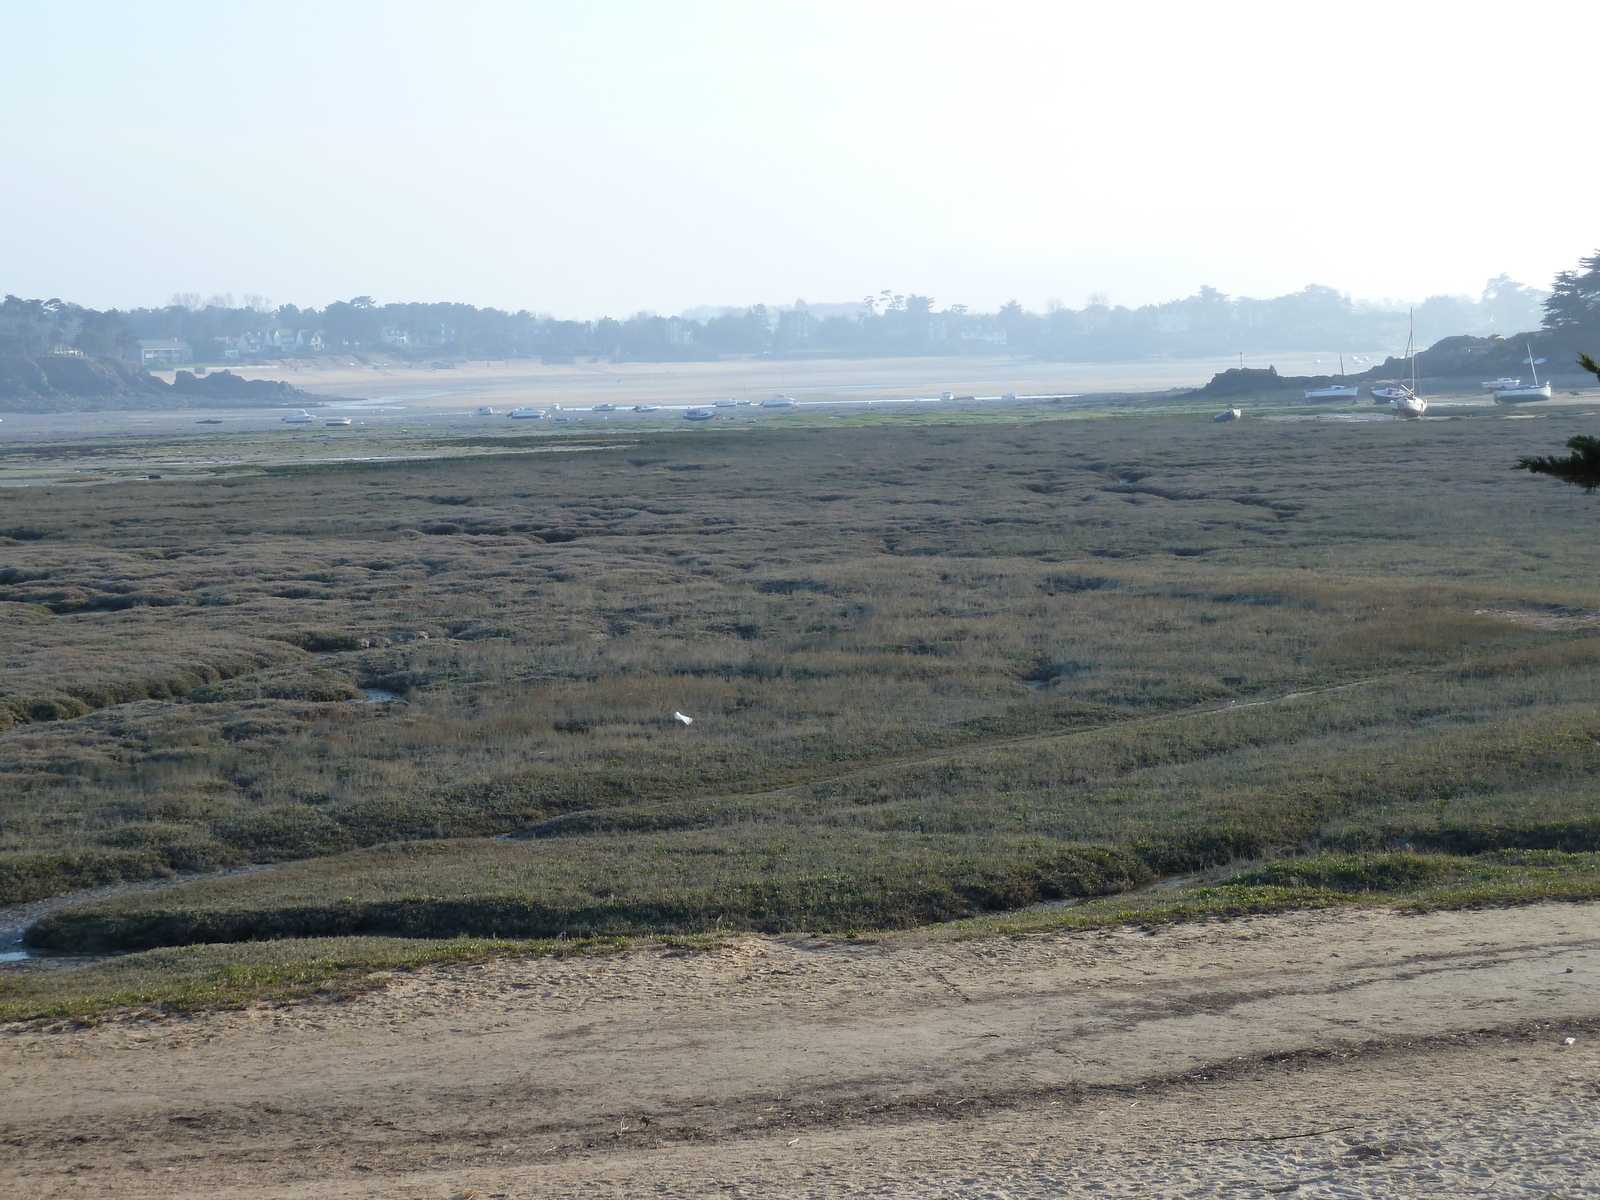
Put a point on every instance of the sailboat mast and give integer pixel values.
(1529, 347)
(1411, 350)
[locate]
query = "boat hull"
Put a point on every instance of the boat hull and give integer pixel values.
(1521, 395)
(1333, 393)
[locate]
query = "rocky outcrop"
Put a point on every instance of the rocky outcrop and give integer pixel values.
(1452, 363)
(69, 383)
(1239, 383)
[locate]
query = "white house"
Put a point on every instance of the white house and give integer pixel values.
(164, 350)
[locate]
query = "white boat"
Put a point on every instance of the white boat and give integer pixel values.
(644, 408)
(1525, 391)
(1334, 391)
(299, 417)
(337, 421)
(485, 411)
(947, 395)
(698, 414)
(1519, 392)
(1009, 396)
(1228, 414)
(1495, 385)
(778, 402)
(605, 408)
(727, 403)
(1409, 404)
(1384, 395)
(526, 414)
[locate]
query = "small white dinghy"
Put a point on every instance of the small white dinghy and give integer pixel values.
(1228, 414)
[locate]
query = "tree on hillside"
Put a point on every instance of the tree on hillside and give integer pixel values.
(1575, 300)
(103, 334)
(1580, 468)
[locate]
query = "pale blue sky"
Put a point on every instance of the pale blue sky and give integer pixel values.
(594, 157)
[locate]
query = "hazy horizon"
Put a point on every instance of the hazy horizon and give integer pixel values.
(603, 159)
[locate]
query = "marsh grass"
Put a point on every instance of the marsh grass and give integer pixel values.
(198, 978)
(930, 660)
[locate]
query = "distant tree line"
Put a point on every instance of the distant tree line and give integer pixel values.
(1206, 323)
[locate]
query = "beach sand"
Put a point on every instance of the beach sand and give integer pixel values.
(1363, 1052)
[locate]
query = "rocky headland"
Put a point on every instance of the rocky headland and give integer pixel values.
(70, 383)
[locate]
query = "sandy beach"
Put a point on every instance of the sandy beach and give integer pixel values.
(1360, 1052)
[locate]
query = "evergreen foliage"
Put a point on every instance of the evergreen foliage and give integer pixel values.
(1574, 302)
(1581, 467)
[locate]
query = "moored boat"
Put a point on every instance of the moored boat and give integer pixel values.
(1521, 392)
(1228, 414)
(1408, 403)
(1334, 391)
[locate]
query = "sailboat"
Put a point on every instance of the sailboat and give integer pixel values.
(1337, 391)
(1520, 391)
(1408, 403)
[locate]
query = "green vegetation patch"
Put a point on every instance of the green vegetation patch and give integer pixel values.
(217, 976)
(690, 882)
(1412, 882)
(204, 978)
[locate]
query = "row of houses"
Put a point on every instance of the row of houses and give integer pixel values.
(167, 352)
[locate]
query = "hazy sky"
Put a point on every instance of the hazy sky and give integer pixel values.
(591, 157)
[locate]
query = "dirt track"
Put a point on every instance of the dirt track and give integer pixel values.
(1116, 1063)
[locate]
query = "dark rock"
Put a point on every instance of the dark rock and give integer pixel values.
(70, 383)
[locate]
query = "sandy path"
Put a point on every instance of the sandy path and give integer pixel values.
(916, 1068)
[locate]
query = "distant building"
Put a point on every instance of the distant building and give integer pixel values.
(163, 350)
(680, 332)
(250, 345)
(396, 337)
(245, 345)
(995, 337)
(794, 325)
